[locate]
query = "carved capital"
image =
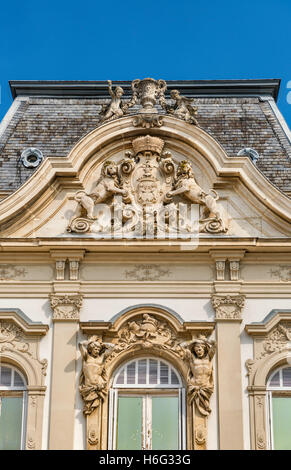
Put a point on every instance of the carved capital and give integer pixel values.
(66, 306)
(228, 307)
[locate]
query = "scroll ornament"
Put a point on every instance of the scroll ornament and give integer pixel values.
(146, 333)
(143, 194)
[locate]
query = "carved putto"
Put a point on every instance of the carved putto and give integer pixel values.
(182, 108)
(148, 93)
(146, 195)
(116, 108)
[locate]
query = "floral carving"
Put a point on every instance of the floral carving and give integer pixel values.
(283, 273)
(228, 307)
(261, 441)
(66, 307)
(276, 341)
(147, 121)
(30, 443)
(8, 271)
(11, 337)
(147, 272)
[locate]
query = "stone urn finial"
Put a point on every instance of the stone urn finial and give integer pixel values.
(148, 91)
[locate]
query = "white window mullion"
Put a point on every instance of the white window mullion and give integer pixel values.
(148, 422)
(115, 411)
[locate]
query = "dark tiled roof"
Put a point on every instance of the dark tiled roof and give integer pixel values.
(55, 124)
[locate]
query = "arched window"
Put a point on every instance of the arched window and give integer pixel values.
(279, 409)
(13, 404)
(147, 407)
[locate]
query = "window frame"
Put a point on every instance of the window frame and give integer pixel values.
(275, 391)
(17, 391)
(146, 392)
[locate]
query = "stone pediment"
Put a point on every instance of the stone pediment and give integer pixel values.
(121, 170)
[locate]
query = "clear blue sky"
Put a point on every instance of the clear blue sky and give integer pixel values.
(185, 39)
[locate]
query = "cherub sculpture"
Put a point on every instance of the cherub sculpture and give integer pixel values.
(199, 354)
(183, 109)
(107, 185)
(116, 108)
(93, 380)
(186, 185)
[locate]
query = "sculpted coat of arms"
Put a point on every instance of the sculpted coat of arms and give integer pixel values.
(147, 194)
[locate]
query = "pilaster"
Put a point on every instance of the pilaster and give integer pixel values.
(66, 316)
(228, 309)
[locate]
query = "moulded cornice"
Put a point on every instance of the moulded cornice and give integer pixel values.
(19, 318)
(269, 322)
(56, 173)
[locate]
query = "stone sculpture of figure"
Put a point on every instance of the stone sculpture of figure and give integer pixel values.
(115, 108)
(93, 382)
(107, 185)
(185, 185)
(183, 109)
(199, 354)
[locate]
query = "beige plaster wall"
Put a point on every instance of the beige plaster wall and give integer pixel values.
(38, 309)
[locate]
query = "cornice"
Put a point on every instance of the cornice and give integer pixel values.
(191, 88)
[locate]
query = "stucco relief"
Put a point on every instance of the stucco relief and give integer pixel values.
(9, 272)
(148, 92)
(147, 272)
(228, 307)
(272, 346)
(147, 195)
(66, 307)
(147, 333)
(282, 273)
(19, 344)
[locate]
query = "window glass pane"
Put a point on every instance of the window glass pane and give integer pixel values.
(164, 373)
(10, 423)
(275, 382)
(153, 372)
(282, 423)
(142, 371)
(131, 373)
(120, 378)
(18, 382)
(129, 423)
(287, 377)
(165, 423)
(174, 378)
(6, 376)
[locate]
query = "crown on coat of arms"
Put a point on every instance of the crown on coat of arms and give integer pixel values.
(148, 143)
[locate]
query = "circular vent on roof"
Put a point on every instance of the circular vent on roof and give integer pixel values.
(31, 157)
(249, 152)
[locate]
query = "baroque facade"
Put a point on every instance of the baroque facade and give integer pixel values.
(145, 300)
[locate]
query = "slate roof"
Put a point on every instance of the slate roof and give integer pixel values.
(53, 116)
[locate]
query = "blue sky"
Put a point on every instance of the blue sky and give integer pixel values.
(185, 39)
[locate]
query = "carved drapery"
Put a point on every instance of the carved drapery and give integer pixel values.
(141, 333)
(272, 348)
(19, 345)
